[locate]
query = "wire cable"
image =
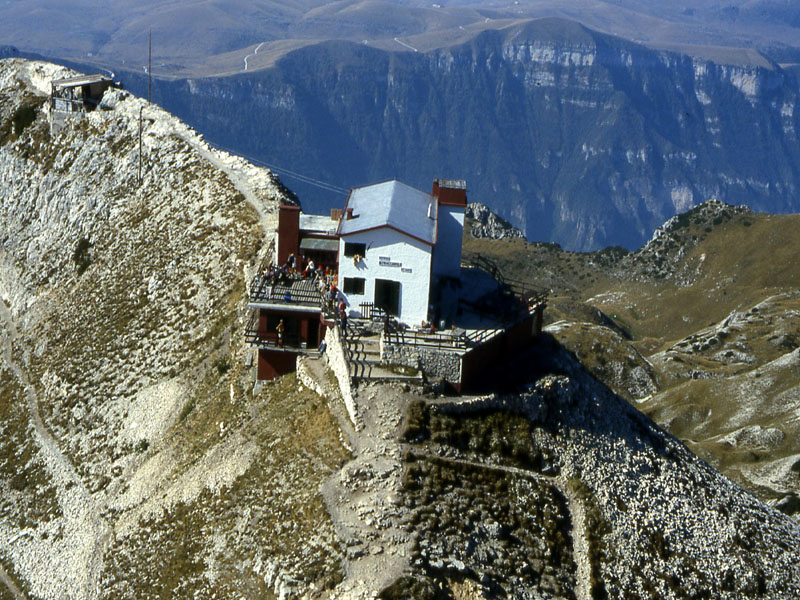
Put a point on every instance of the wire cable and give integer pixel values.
(293, 174)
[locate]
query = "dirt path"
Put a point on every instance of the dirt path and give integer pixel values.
(6, 580)
(364, 498)
(239, 180)
(78, 505)
(580, 542)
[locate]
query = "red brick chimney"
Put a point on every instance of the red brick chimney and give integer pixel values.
(288, 232)
(450, 192)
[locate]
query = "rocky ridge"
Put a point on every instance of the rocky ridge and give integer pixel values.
(698, 326)
(624, 510)
(128, 415)
(483, 223)
(672, 242)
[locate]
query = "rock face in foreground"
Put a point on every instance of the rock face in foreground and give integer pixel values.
(589, 499)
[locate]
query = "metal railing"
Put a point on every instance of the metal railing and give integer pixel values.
(442, 340)
(371, 312)
(420, 338)
(269, 339)
(518, 287)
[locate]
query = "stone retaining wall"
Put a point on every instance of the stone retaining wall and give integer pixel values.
(431, 361)
(338, 363)
(307, 378)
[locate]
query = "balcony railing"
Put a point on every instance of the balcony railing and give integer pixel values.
(269, 339)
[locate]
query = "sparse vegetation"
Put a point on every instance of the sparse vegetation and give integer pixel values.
(25, 113)
(30, 497)
(465, 511)
(411, 587)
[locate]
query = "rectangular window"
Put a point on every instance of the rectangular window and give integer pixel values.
(354, 285)
(353, 248)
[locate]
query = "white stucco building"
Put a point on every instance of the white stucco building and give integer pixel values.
(395, 242)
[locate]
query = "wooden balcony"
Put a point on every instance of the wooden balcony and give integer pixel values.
(290, 290)
(269, 339)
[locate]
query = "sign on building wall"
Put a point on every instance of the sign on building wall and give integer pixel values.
(386, 261)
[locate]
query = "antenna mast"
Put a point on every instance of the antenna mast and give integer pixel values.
(149, 62)
(140, 146)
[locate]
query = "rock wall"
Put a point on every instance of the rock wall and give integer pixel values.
(337, 361)
(432, 362)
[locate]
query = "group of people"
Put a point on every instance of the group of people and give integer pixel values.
(306, 269)
(296, 267)
(335, 303)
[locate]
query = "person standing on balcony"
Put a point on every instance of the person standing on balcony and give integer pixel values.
(279, 331)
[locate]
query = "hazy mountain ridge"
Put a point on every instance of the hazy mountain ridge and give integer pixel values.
(573, 136)
(201, 38)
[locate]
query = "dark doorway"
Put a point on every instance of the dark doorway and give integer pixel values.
(313, 333)
(387, 296)
(292, 331)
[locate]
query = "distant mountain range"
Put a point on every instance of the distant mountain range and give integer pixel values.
(199, 38)
(574, 136)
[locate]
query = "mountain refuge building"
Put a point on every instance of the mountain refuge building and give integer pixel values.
(391, 255)
(75, 96)
(395, 242)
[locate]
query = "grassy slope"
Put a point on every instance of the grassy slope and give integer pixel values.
(672, 301)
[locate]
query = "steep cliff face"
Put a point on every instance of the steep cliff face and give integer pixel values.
(575, 137)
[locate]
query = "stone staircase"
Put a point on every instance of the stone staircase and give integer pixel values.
(364, 357)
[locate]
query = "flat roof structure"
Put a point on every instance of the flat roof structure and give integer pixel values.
(80, 80)
(321, 244)
(321, 224)
(303, 294)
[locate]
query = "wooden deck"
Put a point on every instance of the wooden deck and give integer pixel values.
(297, 291)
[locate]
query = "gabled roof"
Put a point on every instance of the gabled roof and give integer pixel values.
(391, 204)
